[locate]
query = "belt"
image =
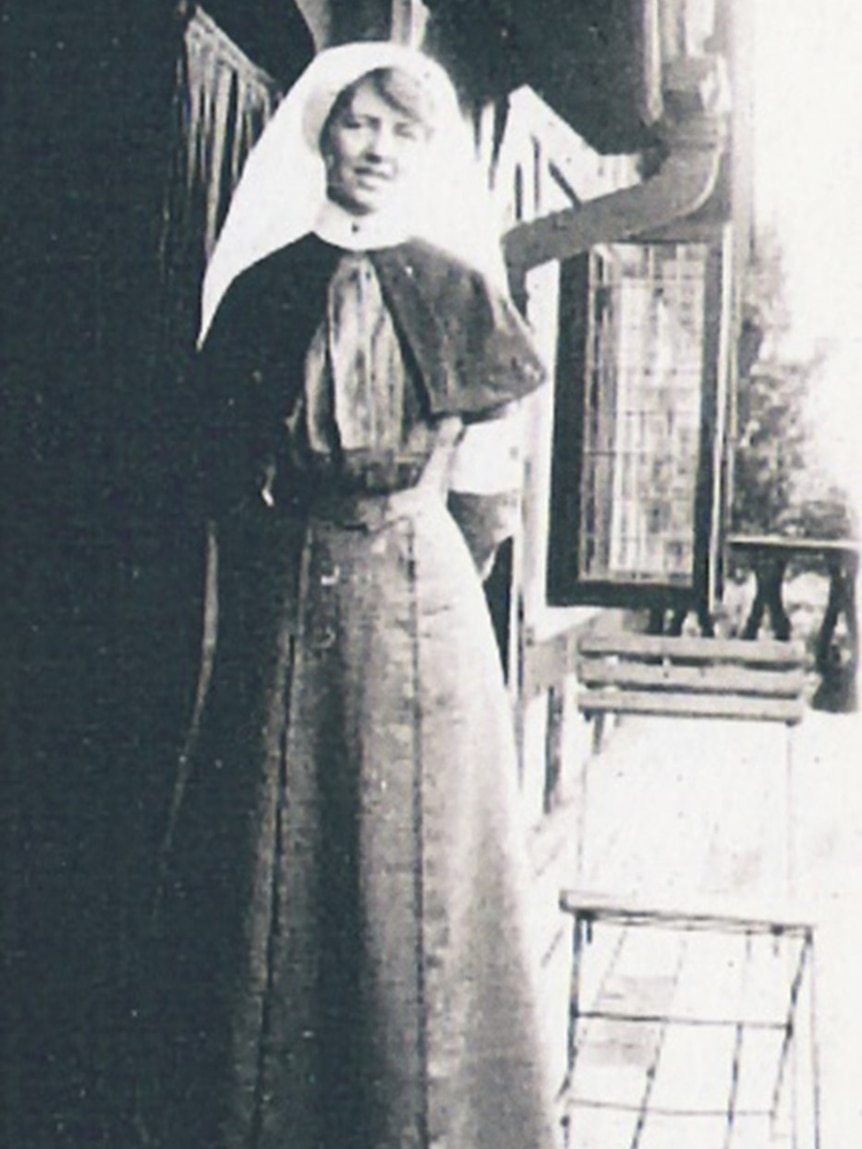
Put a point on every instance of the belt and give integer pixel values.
(373, 512)
(380, 477)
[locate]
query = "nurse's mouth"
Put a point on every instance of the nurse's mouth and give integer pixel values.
(374, 175)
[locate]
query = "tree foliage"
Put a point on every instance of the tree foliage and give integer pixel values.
(778, 486)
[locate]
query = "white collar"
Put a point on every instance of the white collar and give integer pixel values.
(338, 227)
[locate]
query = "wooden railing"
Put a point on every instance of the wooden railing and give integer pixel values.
(769, 556)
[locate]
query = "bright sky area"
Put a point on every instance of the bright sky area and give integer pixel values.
(808, 182)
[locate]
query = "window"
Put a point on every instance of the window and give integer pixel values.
(635, 425)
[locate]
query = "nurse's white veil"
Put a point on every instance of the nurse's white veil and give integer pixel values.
(282, 188)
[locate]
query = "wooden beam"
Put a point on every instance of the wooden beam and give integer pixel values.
(546, 664)
(791, 547)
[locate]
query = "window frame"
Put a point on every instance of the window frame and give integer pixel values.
(566, 586)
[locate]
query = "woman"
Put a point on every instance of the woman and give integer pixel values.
(339, 935)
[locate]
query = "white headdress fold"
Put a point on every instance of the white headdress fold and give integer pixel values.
(282, 188)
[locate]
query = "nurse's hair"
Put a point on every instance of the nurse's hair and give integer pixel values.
(397, 88)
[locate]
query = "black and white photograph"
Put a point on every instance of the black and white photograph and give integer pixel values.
(431, 525)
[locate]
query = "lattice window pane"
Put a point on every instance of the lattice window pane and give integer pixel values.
(642, 414)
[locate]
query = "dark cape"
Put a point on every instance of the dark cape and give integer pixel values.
(467, 347)
(340, 953)
(470, 344)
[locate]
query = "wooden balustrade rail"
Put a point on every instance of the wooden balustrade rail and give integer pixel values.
(769, 557)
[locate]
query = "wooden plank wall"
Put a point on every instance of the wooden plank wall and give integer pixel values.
(554, 738)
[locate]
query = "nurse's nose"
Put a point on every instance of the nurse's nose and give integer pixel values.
(383, 142)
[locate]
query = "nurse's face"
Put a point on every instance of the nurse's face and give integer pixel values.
(371, 149)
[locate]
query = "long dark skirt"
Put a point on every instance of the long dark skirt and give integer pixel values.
(340, 949)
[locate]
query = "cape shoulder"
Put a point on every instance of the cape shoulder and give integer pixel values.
(474, 349)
